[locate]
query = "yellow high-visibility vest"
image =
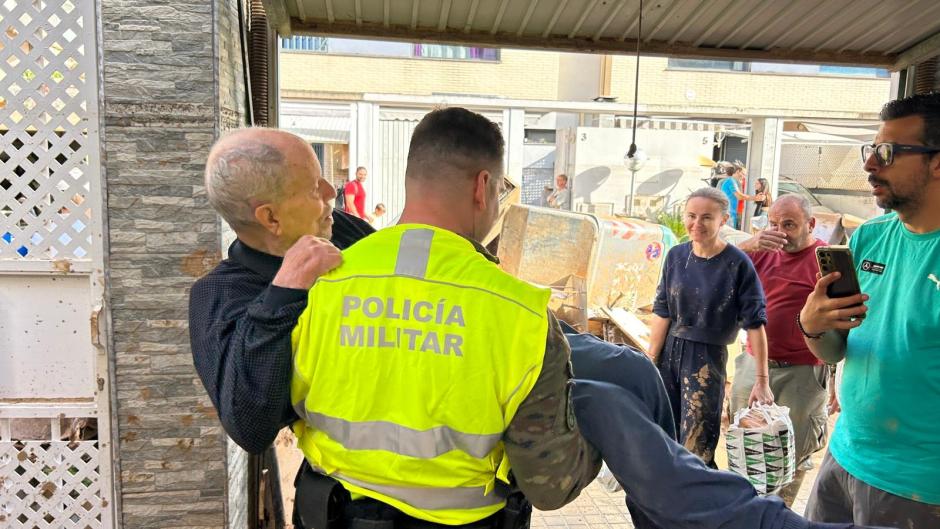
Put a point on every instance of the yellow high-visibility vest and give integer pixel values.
(410, 361)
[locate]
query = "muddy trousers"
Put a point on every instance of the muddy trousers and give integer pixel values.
(622, 409)
(694, 375)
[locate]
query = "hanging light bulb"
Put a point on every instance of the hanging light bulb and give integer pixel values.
(636, 161)
(636, 81)
(635, 158)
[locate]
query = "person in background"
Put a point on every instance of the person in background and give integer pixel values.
(355, 195)
(379, 211)
(761, 206)
(733, 187)
(708, 292)
(561, 196)
(785, 259)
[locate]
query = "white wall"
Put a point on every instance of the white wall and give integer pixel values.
(579, 76)
(672, 170)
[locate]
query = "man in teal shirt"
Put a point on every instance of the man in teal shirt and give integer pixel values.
(883, 465)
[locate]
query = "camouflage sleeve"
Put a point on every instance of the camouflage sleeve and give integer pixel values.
(550, 459)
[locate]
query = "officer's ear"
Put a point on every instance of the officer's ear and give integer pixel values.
(480, 184)
(267, 217)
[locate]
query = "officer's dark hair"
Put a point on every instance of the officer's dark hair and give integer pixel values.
(926, 106)
(455, 140)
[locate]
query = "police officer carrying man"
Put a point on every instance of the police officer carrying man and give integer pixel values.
(424, 374)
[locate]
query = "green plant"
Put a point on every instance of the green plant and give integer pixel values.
(673, 221)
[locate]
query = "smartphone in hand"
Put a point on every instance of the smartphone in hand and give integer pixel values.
(838, 259)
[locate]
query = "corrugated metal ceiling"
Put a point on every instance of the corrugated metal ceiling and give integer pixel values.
(886, 33)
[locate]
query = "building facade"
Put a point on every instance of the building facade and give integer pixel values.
(357, 100)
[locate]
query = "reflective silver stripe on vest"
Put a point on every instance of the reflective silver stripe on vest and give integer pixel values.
(436, 498)
(300, 407)
(391, 437)
(414, 252)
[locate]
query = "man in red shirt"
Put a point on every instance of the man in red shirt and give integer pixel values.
(785, 259)
(355, 192)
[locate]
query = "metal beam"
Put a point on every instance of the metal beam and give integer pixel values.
(554, 20)
(809, 15)
(905, 44)
(901, 12)
(687, 23)
(900, 29)
(745, 23)
(329, 11)
(667, 12)
(714, 25)
(581, 19)
(386, 13)
(499, 17)
(358, 12)
(780, 16)
(471, 15)
(925, 49)
(445, 12)
(415, 5)
(528, 15)
(276, 11)
(871, 15)
(729, 112)
(301, 11)
(604, 45)
(610, 18)
(636, 18)
(826, 23)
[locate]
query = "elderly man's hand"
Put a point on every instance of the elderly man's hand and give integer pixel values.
(764, 241)
(309, 258)
(822, 313)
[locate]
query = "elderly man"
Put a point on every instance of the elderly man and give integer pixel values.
(785, 259)
(884, 456)
(266, 184)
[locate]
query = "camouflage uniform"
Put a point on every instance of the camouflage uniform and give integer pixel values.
(550, 459)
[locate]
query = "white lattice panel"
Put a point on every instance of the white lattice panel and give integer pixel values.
(48, 129)
(826, 166)
(50, 485)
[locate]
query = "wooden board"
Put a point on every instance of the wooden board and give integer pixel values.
(631, 326)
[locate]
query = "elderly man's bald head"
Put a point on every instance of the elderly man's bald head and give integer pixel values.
(793, 202)
(250, 166)
(793, 215)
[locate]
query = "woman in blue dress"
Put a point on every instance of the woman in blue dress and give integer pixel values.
(709, 291)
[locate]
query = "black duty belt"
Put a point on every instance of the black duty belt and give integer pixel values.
(321, 502)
